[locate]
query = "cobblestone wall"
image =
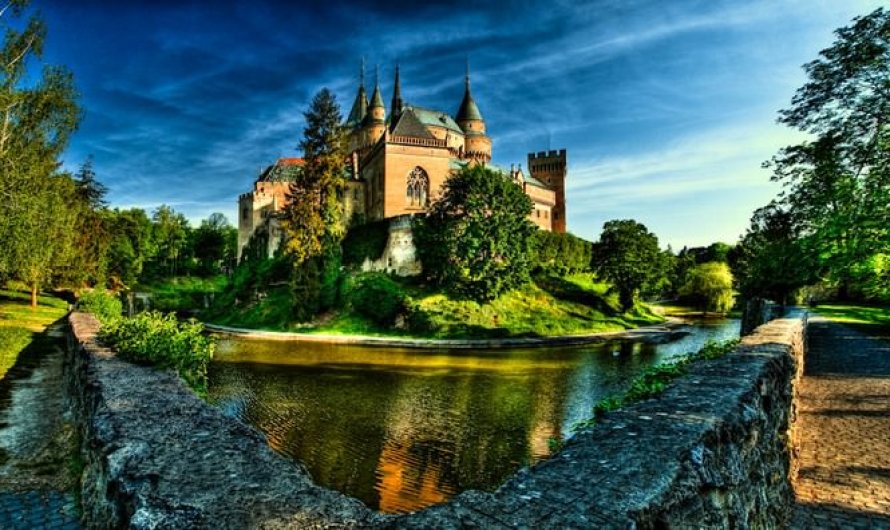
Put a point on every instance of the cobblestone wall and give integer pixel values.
(715, 450)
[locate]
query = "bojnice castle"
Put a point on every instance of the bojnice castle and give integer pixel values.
(397, 165)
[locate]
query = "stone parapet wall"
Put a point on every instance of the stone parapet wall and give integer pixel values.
(714, 451)
(156, 456)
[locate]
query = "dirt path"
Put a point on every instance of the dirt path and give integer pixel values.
(844, 479)
(37, 444)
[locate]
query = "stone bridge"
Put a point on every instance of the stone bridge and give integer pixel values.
(716, 449)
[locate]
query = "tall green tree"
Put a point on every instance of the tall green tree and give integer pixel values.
(476, 239)
(312, 224)
(171, 235)
(38, 113)
(212, 243)
(774, 259)
(837, 185)
(627, 255)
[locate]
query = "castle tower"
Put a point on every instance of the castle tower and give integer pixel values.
(360, 105)
(477, 146)
(395, 108)
(374, 122)
(550, 167)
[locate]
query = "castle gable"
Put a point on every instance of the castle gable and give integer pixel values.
(409, 125)
(435, 118)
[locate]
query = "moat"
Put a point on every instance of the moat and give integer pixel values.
(403, 429)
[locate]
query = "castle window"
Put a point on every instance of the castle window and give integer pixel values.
(418, 187)
(538, 212)
(545, 214)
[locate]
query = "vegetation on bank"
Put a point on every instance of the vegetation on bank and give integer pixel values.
(153, 338)
(655, 380)
(19, 323)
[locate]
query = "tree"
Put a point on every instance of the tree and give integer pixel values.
(312, 223)
(211, 243)
(773, 259)
(709, 286)
(131, 244)
(170, 232)
(837, 186)
(476, 238)
(38, 113)
(627, 255)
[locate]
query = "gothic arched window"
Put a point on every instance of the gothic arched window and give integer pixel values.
(418, 187)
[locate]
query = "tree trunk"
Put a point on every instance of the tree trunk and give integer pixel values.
(33, 296)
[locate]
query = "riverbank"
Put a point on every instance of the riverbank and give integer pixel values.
(667, 331)
(378, 305)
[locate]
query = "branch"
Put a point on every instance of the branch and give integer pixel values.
(23, 52)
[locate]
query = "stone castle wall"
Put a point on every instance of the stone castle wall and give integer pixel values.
(715, 450)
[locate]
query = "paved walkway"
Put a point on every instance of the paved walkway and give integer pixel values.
(844, 415)
(36, 440)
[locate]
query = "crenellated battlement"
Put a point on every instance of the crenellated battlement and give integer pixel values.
(547, 155)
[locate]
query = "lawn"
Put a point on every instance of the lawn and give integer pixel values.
(19, 323)
(856, 314)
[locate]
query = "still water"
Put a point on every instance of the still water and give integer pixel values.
(401, 429)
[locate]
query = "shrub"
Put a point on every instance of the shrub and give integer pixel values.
(106, 307)
(377, 297)
(560, 254)
(161, 340)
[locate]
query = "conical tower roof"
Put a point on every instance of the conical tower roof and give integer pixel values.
(397, 104)
(360, 105)
(468, 109)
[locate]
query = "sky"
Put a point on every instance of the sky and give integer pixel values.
(667, 109)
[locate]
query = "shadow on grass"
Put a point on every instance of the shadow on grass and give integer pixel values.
(565, 290)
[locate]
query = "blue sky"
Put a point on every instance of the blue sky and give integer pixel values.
(667, 109)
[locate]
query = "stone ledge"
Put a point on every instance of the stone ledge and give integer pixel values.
(715, 450)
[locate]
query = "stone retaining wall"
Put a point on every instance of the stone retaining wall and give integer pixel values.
(715, 450)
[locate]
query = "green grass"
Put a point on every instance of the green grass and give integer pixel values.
(549, 306)
(856, 314)
(681, 310)
(19, 322)
(182, 293)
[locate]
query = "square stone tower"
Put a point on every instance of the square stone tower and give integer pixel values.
(550, 167)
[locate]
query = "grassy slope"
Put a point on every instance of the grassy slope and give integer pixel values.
(19, 323)
(856, 314)
(548, 307)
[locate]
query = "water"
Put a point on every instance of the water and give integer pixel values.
(402, 429)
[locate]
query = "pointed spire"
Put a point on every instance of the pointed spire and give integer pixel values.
(376, 98)
(360, 106)
(468, 108)
(396, 107)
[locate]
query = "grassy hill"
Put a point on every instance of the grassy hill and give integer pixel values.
(377, 304)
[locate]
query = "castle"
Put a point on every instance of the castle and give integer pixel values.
(398, 163)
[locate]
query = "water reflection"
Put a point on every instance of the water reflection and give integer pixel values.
(403, 429)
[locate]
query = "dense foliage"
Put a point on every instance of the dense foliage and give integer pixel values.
(376, 297)
(834, 212)
(476, 238)
(709, 287)
(106, 307)
(366, 241)
(38, 112)
(161, 340)
(627, 255)
(312, 222)
(560, 253)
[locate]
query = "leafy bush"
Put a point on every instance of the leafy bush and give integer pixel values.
(106, 307)
(161, 340)
(377, 297)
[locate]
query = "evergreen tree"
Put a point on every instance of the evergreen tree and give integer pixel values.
(312, 223)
